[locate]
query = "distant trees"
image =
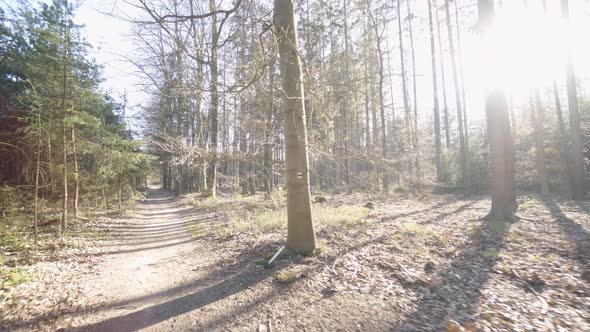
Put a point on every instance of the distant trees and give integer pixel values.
(51, 89)
(463, 147)
(579, 179)
(215, 112)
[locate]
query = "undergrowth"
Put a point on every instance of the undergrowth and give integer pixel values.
(265, 213)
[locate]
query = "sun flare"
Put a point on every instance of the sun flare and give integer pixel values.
(524, 49)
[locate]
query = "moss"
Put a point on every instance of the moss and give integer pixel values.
(490, 253)
(15, 276)
(285, 277)
(197, 230)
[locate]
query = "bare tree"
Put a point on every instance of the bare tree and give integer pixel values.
(436, 112)
(499, 137)
(300, 229)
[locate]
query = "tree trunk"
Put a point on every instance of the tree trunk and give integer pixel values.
(499, 138)
(301, 234)
(444, 87)
(212, 172)
(461, 77)
(384, 167)
(540, 144)
(104, 197)
(437, 143)
(579, 189)
(120, 193)
(466, 171)
(37, 171)
(345, 102)
(407, 115)
(415, 95)
(564, 149)
(76, 174)
(393, 121)
(64, 215)
(269, 137)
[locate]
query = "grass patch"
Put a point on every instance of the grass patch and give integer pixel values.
(343, 215)
(15, 232)
(288, 276)
(197, 230)
(419, 234)
(490, 253)
(415, 229)
(13, 277)
(263, 213)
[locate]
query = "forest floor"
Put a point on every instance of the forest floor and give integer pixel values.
(410, 264)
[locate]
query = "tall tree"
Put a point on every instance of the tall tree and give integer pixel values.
(499, 135)
(300, 229)
(579, 188)
(444, 86)
(213, 115)
(65, 111)
(539, 133)
(464, 154)
(407, 113)
(415, 93)
(379, 40)
(435, 107)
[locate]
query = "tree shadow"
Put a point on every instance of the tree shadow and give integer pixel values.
(444, 215)
(576, 233)
(462, 281)
(207, 290)
(180, 305)
(416, 212)
(225, 279)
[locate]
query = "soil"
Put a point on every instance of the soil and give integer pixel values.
(425, 263)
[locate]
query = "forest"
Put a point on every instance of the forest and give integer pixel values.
(289, 165)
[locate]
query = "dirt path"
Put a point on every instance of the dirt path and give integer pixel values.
(148, 259)
(158, 277)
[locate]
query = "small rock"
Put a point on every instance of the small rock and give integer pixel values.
(320, 199)
(586, 275)
(370, 205)
(535, 280)
(429, 267)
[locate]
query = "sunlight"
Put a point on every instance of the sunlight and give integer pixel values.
(525, 49)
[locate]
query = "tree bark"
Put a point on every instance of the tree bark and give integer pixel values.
(415, 95)
(269, 137)
(76, 174)
(300, 228)
(579, 189)
(345, 102)
(437, 143)
(444, 87)
(407, 114)
(466, 171)
(64, 215)
(564, 149)
(461, 76)
(384, 167)
(499, 138)
(540, 144)
(212, 171)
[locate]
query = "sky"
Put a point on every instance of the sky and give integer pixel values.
(108, 32)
